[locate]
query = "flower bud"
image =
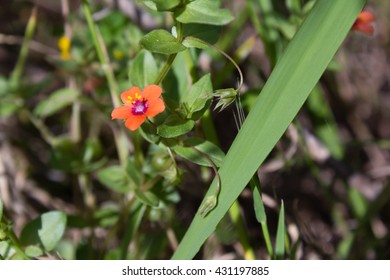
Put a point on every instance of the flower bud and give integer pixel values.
(226, 97)
(208, 204)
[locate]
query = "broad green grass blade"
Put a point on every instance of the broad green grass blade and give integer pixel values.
(280, 235)
(293, 78)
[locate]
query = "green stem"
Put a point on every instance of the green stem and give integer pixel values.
(165, 68)
(214, 167)
(45, 132)
(17, 246)
(226, 56)
(18, 70)
(119, 135)
(100, 49)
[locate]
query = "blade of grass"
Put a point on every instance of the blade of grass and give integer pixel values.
(18, 70)
(293, 78)
(260, 212)
(133, 222)
(280, 234)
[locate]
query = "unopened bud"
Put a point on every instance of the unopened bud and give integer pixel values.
(208, 204)
(226, 97)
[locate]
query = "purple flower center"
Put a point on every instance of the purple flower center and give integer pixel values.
(139, 106)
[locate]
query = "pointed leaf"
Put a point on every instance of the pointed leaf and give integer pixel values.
(134, 219)
(188, 151)
(166, 5)
(280, 234)
(199, 94)
(114, 178)
(56, 101)
(143, 70)
(47, 230)
(174, 126)
(204, 12)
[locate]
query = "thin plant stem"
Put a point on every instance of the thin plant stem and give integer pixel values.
(17, 246)
(18, 70)
(171, 58)
(120, 138)
(99, 50)
(241, 82)
(215, 169)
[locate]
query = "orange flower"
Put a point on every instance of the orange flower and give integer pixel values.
(364, 22)
(139, 105)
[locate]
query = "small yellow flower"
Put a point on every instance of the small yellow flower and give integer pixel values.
(64, 46)
(118, 54)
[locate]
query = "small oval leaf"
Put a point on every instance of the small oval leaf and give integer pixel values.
(56, 101)
(161, 41)
(204, 12)
(52, 228)
(174, 126)
(189, 152)
(33, 251)
(143, 70)
(114, 178)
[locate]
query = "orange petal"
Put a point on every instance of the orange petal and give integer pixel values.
(156, 106)
(152, 92)
(366, 17)
(122, 112)
(129, 93)
(366, 28)
(134, 122)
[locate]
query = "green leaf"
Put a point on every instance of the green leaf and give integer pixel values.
(114, 178)
(9, 105)
(174, 126)
(149, 133)
(166, 5)
(358, 203)
(47, 230)
(112, 25)
(204, 12)
(137, 212)
(188, 151)
(56, 101)
(161, 41)
(261, 216)
(134, 172)
(293, 78)
(143, 70)
(33, 251)
(207, 33)
(178, 81)
(6, 250)
(147, 198)
(106, 216)
(199, 94)
(280, 235)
